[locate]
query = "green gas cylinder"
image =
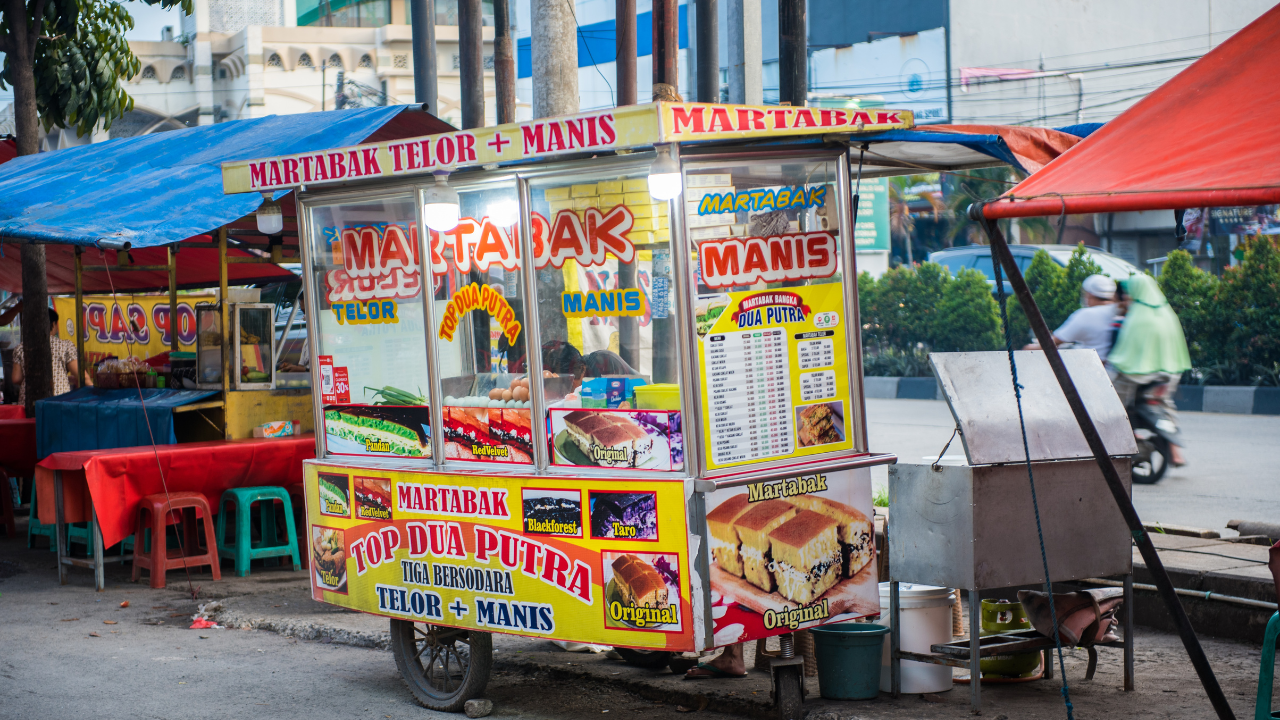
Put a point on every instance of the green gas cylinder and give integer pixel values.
(1001, 616)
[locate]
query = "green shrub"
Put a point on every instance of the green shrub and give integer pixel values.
(1248, 306)
(1191, 292)
(967, 318)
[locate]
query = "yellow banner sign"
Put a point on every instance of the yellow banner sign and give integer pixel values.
(597, 561)
(130, 325)
(633, 126)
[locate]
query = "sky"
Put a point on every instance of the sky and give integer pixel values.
(148, 21)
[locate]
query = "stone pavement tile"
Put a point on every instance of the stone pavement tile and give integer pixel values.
(1182, 561)
(1163, 541)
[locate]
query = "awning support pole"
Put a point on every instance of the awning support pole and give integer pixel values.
(224, 309)
(1140, 537)
(173, 302)
(80, 317)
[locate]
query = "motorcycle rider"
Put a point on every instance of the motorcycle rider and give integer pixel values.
(1149, 349)
(1093, 325)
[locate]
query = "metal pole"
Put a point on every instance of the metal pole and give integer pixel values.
(1118, 492)
(173, 301)
(224, 312)
(625, 67)
(423, 21)
(895, 639)
(666, 42)
(79, 312)
(793, 65)
(708, 63)
(60, 527)
(471, 62)
(1128, 632)
(504, 61)
(746, 60)
(95, 536)
(975, 650)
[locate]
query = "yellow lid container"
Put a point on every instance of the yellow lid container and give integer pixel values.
(660, 396)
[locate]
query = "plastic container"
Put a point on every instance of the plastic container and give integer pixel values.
(999, 616)
(926, 621)
(848, 657)
(659, 396)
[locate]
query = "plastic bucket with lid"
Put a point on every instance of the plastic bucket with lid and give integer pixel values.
(848, 656)
(926, 621)
(658, 396)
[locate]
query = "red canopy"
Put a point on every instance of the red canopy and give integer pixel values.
(1206, 138)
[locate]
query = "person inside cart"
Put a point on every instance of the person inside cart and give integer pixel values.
(562, 358)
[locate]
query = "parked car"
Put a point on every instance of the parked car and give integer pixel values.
(978, 257)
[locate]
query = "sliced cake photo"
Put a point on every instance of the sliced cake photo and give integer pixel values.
(806, 556)
(725, 542)
(856, 534)
(753, 528)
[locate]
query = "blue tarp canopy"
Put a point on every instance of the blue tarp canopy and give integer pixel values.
(161, 188)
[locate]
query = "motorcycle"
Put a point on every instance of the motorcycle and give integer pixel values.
(1154, 430)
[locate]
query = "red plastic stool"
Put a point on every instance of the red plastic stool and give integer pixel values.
(299, 498)
(159, 559)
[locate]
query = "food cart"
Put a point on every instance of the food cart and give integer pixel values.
(593, 378)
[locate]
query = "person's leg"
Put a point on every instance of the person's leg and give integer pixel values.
(729, 663)
(1175, 451)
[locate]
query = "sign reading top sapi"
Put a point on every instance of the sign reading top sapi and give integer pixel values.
(635, 126)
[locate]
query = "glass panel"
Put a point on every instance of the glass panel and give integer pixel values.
(770, 311)
(253, 344)
(480, 311)
(371, 337)
(609, 344)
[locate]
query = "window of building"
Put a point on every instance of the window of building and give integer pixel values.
(222, 73)
(148, 73)
(179, 73)
(335, 61)
(274, 61)
(400, 61)
(365, 62)
(304, 60)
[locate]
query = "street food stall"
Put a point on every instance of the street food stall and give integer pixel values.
(594, 378)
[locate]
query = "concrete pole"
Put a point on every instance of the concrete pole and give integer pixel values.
(424, 53)
(746, 59)
(793, 47)
(666, 42)
(555, 58)
(625, 14)
(471, 62)
(708, 51)
(504, 61)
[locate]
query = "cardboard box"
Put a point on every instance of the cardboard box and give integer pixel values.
(638, 198)
(611, 200)
(606, 187)
(559, 205)
(580, 191)
(582, 203)
(710, 233)
(560, 193)
(636, 185)
(709, 180)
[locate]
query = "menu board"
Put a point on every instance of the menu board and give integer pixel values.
(588, 560)
(775, 373)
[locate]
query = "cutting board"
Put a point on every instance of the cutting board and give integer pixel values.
(844, 595)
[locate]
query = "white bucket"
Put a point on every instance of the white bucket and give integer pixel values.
(925, 611)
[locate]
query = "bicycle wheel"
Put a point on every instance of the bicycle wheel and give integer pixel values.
(443, 667)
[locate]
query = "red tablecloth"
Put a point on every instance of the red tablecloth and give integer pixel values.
(12, 412)
(118, 479)
(18, 446)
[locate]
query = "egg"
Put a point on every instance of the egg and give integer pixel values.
(507, 394)
(521, 393)
(495, 393)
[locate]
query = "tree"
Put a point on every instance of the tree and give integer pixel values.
(65, 60)
(967, 319)
(1247, 298)
(1191, 292)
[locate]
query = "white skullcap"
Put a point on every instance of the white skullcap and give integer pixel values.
(1100, 286)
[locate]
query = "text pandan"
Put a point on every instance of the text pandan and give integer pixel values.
(729, 262)
(479, 297)
(770, 308)
(761, 199)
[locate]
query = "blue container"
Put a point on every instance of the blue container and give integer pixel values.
(848, 657)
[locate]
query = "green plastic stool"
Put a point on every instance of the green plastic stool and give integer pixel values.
(35, 528)
(241, 548)
(1266, 674)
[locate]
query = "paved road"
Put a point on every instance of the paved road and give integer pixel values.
(1231, 471)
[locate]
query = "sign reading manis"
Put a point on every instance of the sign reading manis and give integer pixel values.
(619, 128)
(727, 262)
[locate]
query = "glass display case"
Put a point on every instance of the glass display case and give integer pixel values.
(208, 347)
(254, 346)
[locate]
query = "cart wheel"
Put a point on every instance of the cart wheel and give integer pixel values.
(443, 667)
(788, 689)
(647, 659)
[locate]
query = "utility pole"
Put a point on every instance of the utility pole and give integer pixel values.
(793, 59)
(424, 53)
(708, 53)
(504, 62)
(625, 66)
(555, 59)
(746, 58)
(471, 62)
(666, 42)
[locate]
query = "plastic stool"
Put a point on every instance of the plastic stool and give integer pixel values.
(158, 559)
(35, 528)
(242, 549)
(299, 498)
(1266, 674)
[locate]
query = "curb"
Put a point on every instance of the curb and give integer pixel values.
(303, 630)
(1189, 398)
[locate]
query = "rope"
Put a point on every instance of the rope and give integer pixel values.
(138, 541)
(1035, 505)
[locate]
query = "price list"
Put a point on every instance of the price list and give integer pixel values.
(815, 353)
(817, 385)
(749, 395)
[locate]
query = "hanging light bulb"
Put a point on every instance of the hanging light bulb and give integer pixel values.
(664, 175)
(505, 213)
(270, 218)
(440, 210)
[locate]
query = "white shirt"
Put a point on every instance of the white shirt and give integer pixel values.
(1091, 328)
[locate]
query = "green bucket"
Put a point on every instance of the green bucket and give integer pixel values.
(849, 659)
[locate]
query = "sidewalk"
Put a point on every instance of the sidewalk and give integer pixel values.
(279, 601)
